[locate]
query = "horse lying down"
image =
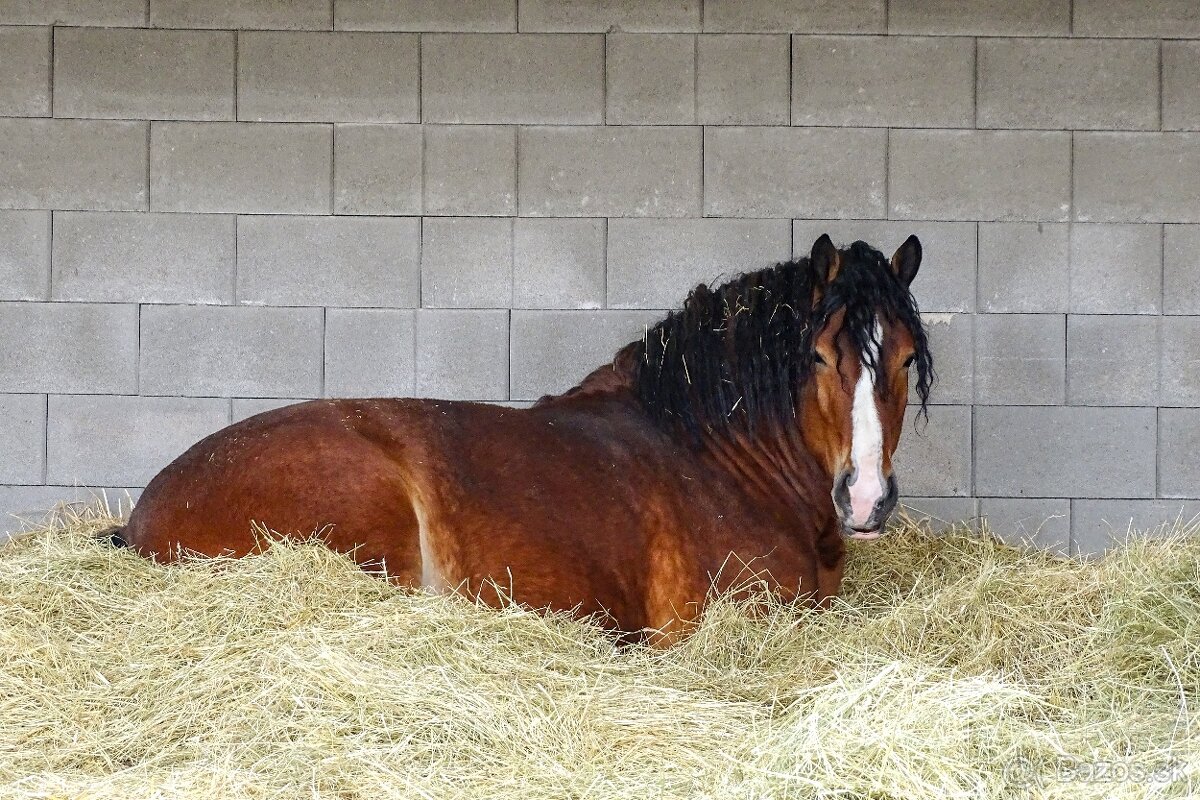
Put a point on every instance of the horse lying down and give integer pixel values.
(753, 427)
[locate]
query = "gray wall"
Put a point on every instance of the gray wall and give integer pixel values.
(215, 207)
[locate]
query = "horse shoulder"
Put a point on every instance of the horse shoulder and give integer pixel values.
(675, 585)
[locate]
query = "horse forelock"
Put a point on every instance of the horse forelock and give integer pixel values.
(865, 287)
(735, 355)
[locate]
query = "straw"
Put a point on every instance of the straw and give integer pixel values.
(953, 666)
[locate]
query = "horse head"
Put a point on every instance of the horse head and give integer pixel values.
(866, 344)
(813, 354)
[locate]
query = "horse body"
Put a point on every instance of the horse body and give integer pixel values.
(734, 445)
(579, 503)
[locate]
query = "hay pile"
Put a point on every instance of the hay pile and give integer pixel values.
(956, 667)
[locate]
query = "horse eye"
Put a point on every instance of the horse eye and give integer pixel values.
(909, 361)
(817, 359)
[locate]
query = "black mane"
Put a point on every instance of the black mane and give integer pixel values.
(735, 355)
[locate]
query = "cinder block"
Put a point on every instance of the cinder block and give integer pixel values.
(1180, 77)
(554, 350)
(1137, 177)
(25, 64)
(742, 79)
(377, 169)
(1020, 359)
(530, 78)
(230, 350)
(245, 407)
(980, 17)
(934, 458)
(122, 73)
(980, 175)
(1024, 267)
(68, 347)
(467, 263)
(470, 169)
(250, 168)
(785, 16)
(1023, 451)
(1069, 84)
(484, 16)
(1041, 523)
(946, 282)
(651, 79)
(883, 81)
(654, 263)
(1112, 360)
(1178, 444)
(369, 352)
(1181, 269)
(1180, 361)
(952, 342)
(794, 172)
(329, 261)
(22, 438)
(73, 164)
(1100, 525)
(940, 513)
(264, 14)
(26, 507)
(106, 13)
(559, 263)
(1169, 19)
(601, 16)
(462, 355)
(336, 77)
(1116, 269)
(147, 258)
(610, 172)
(124, 441)
(24, 255)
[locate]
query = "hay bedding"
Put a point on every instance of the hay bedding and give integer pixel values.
(956, 667)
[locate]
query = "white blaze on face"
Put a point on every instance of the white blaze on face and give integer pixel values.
(866, 443)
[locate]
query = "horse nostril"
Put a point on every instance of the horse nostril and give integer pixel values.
(841, 489)
(890, 495)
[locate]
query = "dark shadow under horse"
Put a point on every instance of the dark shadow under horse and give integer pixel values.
(745, 436)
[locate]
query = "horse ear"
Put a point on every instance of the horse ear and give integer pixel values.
(825, 258)
(907, 260)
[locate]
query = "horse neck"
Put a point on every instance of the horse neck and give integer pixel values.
(771, 464)
(774, 464)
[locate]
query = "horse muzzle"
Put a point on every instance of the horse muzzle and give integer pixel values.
(863, 520)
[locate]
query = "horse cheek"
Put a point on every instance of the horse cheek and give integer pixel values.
(824, 428)
(893, 422)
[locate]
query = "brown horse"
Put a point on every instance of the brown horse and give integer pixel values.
(746, 434)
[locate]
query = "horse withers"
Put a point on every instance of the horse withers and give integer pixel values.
(753, 427)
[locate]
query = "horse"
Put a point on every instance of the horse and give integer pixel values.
(752, 427)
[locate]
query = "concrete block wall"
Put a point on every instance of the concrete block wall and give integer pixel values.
(212, 208)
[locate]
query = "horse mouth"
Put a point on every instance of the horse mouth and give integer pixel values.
(862, 534)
